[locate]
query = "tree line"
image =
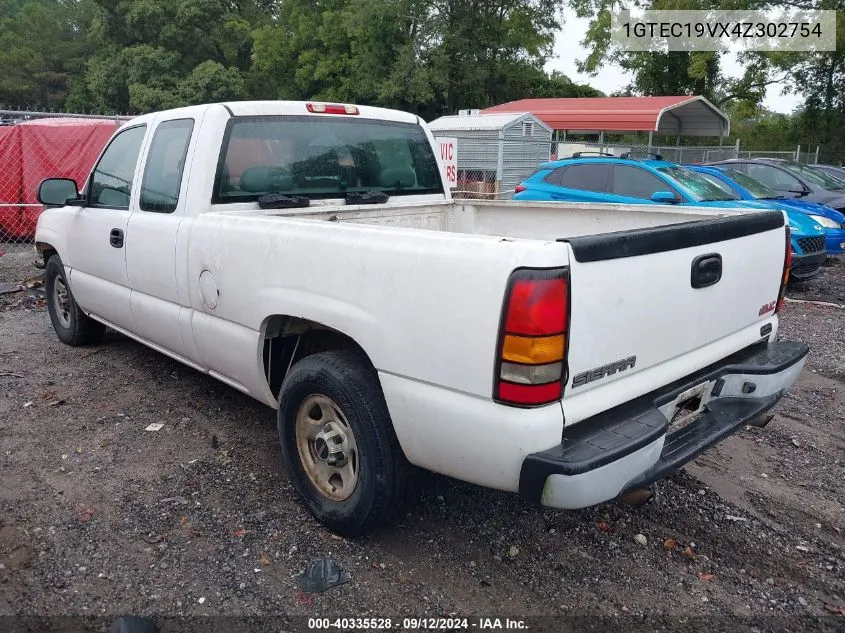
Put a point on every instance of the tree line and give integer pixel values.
(430, 57)
(426, 56)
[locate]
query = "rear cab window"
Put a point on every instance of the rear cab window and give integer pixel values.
(321, 157)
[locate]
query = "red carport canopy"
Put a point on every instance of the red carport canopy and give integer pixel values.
(679, 115)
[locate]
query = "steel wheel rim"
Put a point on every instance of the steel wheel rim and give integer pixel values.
(327, 448)
(61, 300)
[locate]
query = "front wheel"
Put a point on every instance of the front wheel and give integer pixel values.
(71, 324)
(339, 445)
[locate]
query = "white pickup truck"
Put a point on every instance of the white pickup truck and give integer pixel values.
(309, 255)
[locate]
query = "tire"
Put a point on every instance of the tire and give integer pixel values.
(382, 479)
(72, 325)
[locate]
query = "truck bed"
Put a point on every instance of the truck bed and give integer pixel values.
(529, 220)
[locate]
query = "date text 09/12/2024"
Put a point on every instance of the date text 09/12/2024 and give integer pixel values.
(416, 624)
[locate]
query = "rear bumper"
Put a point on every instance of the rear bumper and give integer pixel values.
(633, 445)
(806, 267)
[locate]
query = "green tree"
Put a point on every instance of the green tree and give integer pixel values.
(43, 45)
(428, 56)
(153, 54)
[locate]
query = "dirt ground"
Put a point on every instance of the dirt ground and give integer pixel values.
(100, 517)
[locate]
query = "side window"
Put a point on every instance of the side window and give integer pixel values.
(165, 165)
(587, 177)
(111, 181)
(555, 177)
(635, 182)
(774, 177)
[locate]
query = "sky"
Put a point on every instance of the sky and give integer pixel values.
(610, 78)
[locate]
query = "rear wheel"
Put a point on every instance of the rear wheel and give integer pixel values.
(71, 324)
(338, 443)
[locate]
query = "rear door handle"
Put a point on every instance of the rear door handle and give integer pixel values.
(116, 238)
(706, 270)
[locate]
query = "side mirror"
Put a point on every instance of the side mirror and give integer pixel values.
(58, 192)
(664, 197)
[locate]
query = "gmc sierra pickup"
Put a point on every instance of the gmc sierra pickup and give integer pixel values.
(309, 255)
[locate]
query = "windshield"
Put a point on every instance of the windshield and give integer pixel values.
(817, 176)
(701, 188)
(721, 184)
(323, 157)
(756, 188)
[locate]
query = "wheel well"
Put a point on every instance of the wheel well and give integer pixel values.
(289, 339)
(45, 250)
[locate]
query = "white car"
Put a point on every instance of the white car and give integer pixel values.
(310, 255)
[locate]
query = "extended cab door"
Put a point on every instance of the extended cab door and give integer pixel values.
(161, 315)
(96, 240)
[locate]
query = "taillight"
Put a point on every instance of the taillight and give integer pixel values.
(787, 262)
(331, 108)
(519, 188)
(531, 361)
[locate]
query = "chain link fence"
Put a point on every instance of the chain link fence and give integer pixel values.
(485, 184)
(682, 154)
(786, 155)
(490, 169)
(477, 184)
(38, 145)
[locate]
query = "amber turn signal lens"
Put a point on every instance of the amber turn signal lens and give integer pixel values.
(533, 350)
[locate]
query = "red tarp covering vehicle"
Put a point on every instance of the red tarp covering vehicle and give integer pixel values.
(35, 150)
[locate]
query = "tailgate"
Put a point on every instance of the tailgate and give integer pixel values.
(643, 313)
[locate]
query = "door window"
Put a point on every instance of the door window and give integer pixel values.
(773, 177)
(111, 181)
(635, 182)
(165, 165)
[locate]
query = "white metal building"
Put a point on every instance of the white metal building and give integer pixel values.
(495, 151)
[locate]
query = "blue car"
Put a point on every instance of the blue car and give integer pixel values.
(626, 180)
(747, 188)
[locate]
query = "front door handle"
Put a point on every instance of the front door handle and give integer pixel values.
(116, 238)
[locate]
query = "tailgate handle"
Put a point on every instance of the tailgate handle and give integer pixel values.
(706, 270)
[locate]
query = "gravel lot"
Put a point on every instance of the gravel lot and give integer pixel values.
(100, 517)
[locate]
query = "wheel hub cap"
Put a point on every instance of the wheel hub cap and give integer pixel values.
(327, 447)
(61, 299)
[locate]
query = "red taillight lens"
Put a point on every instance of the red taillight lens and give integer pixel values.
(331, 108)
(519, 188)
(530, 394)
(537, 307)
(787, 263)
(532, 343)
